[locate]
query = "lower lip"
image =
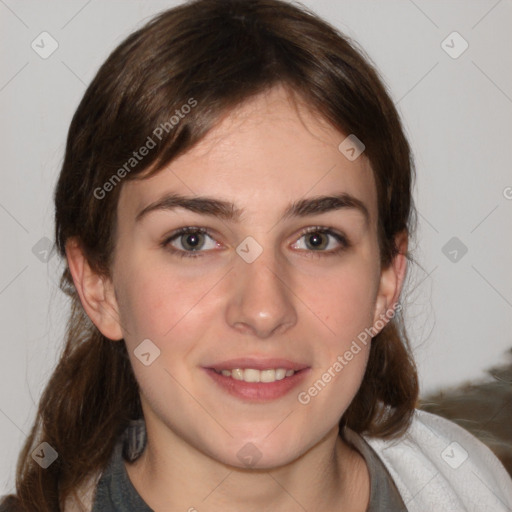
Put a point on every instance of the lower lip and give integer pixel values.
(257, 391)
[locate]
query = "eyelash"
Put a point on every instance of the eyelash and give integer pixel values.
(345, 244)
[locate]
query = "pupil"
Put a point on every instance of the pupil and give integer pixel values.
(316, 239)
(192, 240)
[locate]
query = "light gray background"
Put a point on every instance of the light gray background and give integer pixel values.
(457, 114)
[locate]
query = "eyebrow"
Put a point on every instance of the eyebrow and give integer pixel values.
(228, 211)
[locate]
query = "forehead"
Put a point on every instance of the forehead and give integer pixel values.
(262, 156)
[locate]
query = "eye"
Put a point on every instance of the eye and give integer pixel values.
(317, 241)
(191, 242)
(191, 239)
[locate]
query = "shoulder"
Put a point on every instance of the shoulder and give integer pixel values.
(82, 502)
(437, 462)
(84, 498)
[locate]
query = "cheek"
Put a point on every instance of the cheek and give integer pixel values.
(343, 301)
(160, 303)
(143, 307)
(165, 309)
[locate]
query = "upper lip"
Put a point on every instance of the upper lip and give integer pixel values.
(258, 364)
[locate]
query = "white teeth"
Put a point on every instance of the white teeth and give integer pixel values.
(237, 374)
(280, 374)
(267, 376)
(253, 375)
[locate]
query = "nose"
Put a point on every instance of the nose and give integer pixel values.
(261, 300)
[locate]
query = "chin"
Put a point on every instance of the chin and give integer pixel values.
(263, 454)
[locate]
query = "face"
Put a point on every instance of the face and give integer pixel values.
(247, 289)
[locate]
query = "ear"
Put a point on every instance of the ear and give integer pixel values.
(96, 292)
(391, 281)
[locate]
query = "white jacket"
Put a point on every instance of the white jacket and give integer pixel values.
(436, 465)
(440, 467)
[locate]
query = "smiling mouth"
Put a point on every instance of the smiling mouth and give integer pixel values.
(254, 375)
(262, 384)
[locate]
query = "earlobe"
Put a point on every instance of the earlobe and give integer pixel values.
(391, 282)
(95, 291)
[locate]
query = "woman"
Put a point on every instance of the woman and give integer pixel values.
(234, 208)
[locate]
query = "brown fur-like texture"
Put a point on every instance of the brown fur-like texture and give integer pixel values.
(484, 409)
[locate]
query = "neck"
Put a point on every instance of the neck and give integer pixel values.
(329, 476)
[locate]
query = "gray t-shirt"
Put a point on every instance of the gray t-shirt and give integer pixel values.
(116, 493)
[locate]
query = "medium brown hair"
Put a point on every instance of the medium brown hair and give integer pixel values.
(219, 53)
